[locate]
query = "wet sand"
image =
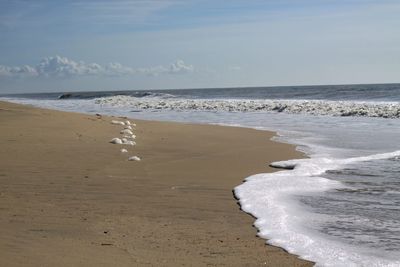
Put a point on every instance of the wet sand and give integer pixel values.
(70, 198)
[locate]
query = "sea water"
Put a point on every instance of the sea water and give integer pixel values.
(340, 206)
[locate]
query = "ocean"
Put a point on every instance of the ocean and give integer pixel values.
(338, 207)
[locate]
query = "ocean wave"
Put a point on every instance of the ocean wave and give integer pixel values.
(313, 107)
(93, 95)
(284, 222)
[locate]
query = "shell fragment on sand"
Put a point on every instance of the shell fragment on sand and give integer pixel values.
(126, 131)
(117, 122)
(123, 150)
(116, 140)
(134, 158)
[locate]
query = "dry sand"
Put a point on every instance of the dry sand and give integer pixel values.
(70, 198)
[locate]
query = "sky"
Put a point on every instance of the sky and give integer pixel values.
(94, 45)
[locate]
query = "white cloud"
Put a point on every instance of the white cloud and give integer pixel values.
(63, 67)
(180, 67)
(117, 69)
(24, 71)
(177, 67)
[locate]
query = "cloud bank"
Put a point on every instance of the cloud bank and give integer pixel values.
(63, 67)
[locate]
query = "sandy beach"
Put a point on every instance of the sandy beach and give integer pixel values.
(70, 198)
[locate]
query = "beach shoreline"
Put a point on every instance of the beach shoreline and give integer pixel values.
(70, 198)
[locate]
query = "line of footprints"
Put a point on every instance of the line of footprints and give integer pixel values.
(127, 137)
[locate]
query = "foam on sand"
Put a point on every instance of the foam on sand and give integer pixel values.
(123, 141)
(127, 139)
(130, 124)
(117, 141)
(270, 198)
(134, 158)
(129, 136)
(126, 131)
(128, 142)
(117, 122)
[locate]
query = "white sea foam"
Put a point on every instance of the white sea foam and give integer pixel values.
(128, 142)
(116, 140)
(117, 122)
(129, 136)
(314, 107)
(122, 141)
(126, 131)
(269, 198)
(134, 158)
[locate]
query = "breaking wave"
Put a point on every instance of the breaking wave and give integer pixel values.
(93, 95)
(313, 107)
(283, 222)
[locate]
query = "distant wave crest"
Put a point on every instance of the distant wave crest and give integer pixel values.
(313, 107)
(94, 95)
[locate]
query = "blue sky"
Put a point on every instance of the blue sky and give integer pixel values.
(144, 44)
